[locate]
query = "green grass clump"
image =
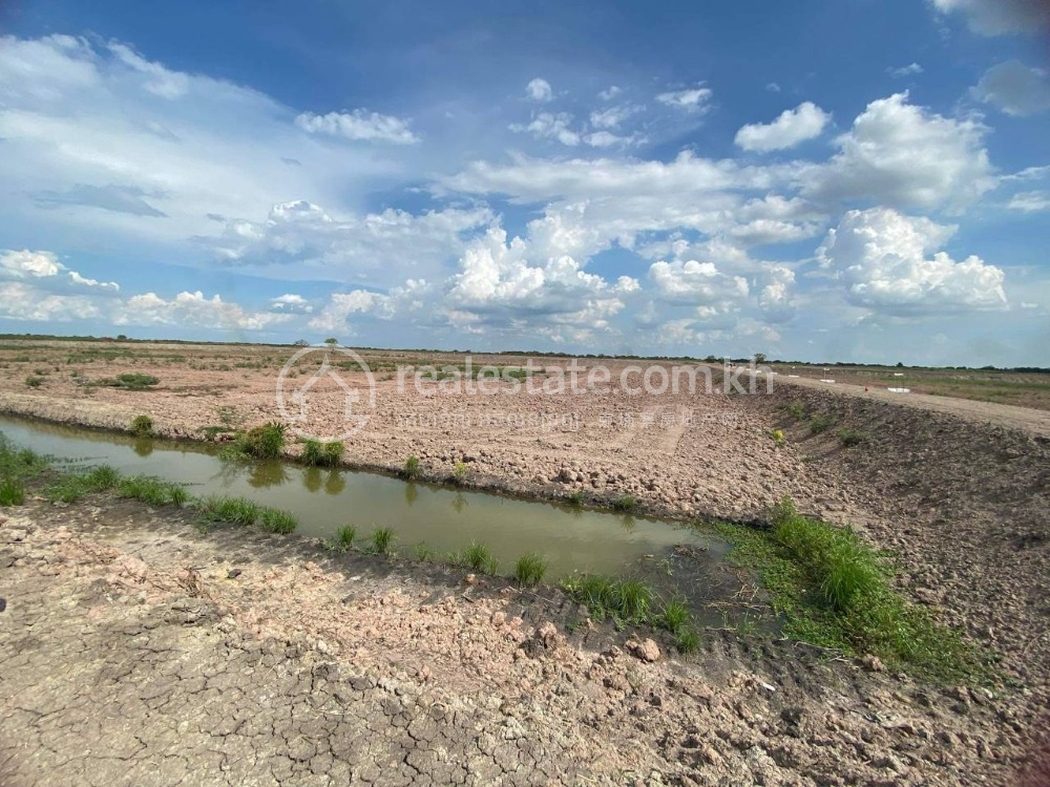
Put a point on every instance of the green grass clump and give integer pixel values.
(674, 616)
(20, 462)
(259, 442)
(835, 591)
(626, 601)
(153, 491)
(228, 510)
(459, 473)
(796, 410)
(687, 641)
(34, 382)
(851, 437)
(529, 569)
(411, 468)
(476, 556)
(142, 426)
(382, 539)
(423, 553)
(12, 491)
(274, 520)
(778, 437)
(318, 454)
(344, 537)
(576, 498)
(625, 503)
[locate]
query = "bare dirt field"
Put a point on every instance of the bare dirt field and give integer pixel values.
(955, 492)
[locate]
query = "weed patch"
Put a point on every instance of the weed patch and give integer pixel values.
(529, 569)
(274, 520)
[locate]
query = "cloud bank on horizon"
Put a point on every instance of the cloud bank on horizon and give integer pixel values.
(462, 180)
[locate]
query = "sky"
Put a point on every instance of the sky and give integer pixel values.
(848, 180)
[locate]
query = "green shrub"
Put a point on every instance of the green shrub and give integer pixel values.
(344, 537)
(12, 492)
(796, 410)
(142, 426)
(34, 382)
(275, 520)
(411, 469)
(529, 569)
(259, 442)
(318, 454)
(851, 437)
(625, 503)
(778, 437)
(382, 540)
(576, 498)
(460, 472)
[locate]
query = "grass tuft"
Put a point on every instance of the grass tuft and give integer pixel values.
(12, 491)
(228, 510)
(318, 454)
(274, 520)
(625, 503)
(477, 557)
(674, 616)
(382, 540)
(851, 437)
(411, 469)
(687, 641)
(153, 491)
(529, 569)
(344, 537)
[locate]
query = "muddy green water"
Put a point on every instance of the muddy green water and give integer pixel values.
(445, 519)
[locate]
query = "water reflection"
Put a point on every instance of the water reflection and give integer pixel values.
(313, 479)
(459, 502)
(411, 492)
(627, 523)
(267, 474)
(143, 446)
(335, 483)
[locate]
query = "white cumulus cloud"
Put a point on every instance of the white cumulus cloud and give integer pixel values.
(193, 309)
(45, 265)
(996, 17)
(693, 99)
(793, 126)
(883, 259)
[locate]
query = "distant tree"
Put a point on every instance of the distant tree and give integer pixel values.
(301, 343)
(331, 341)
(122, 338)
(900, 364)
(760, 358)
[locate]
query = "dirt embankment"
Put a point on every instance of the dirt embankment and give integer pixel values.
(137, 651)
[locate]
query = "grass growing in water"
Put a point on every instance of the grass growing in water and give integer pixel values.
(382, 539)
(834, 591)
(151, 490)
(274, 520)
(674, 616)
(228, 510)
(320, 454)
(529, 569)
(627, 601)
(477, 557)
(344, 537)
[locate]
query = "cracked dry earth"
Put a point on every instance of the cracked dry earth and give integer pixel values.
(135, 650)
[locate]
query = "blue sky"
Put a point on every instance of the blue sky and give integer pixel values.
(865, 180)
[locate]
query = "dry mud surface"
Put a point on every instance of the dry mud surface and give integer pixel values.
(137, 651)
(956, 493)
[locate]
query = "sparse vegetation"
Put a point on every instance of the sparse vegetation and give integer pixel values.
(259, 442)
(834, 591)
(851, 437)
(674, 616)
(142, 426)
(459, 473)
(819, 424)
(778, 437)
(153, 491)
(687, 641)
(625, 503)
(576, 498)
(34, 382)
(626, 601)
(529, 569)
(423, 553)
(131, 381)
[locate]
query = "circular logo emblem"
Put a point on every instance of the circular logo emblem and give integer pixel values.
(318, 402)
